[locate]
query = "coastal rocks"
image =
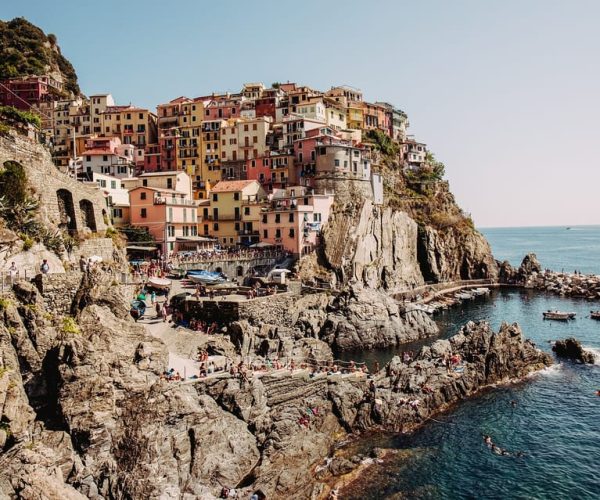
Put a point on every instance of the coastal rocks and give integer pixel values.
(411, 392)
(365, 318)
(571, 348)
(453, 254)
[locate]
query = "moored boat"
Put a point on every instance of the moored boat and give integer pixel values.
(595, 314)
(559, 315)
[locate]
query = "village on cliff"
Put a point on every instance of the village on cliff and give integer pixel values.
(257, 168)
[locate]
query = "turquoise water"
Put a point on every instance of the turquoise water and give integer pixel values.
(556, 247)
(555, 422)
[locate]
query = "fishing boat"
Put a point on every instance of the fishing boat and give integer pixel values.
(559, 315)
(595, 314)
(159, 283)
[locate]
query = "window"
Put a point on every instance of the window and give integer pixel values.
(277, 233)
(264, 218)
(143, 213)
(117, 212)
(292, 232)
(215, 197)
(88, 158)
(236, 196)
(336, 163)
(291, 218)
(171, 231)
(246, 210)
(104, 158)
(142, 195)
(245, 128)
(265, 234)
(145, 182)
(170, 214)
(317, 217)
(113, 184)
(237, 226)
(206, 229)
(216, 226)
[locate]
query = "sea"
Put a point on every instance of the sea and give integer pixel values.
(555, 424)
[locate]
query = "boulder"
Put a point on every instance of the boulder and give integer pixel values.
(571, 348)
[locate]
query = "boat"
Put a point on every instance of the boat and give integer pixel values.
(159, 283)
(206, 277)
(559, 315)
(595, 314)
(481, 291)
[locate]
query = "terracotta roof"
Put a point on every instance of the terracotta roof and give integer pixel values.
(158, 190)
(230, 186)
(92, 152)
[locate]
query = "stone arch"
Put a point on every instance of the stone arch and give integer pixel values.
(239, 271)
(87, 214)
(66, 211)
(219, 270)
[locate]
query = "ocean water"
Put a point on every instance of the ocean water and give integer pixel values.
(556, 422)
(557, 248)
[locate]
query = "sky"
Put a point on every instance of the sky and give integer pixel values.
(505, 93)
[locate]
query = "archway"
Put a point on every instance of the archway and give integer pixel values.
(87, 214)
(66, 211)
(239, 271)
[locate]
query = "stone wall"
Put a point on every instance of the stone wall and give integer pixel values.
(103, 247)
(88, 202)
(58, 290)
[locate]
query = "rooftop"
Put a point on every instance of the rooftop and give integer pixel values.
(231, 186)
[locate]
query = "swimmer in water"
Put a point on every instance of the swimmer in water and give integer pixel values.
(488, 440)
(513, 403)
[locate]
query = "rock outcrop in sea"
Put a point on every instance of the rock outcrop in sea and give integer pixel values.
(571, 348)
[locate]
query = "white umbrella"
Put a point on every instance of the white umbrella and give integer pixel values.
(261, 244)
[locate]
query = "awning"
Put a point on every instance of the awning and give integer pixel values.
(147, 249)
(196, 239)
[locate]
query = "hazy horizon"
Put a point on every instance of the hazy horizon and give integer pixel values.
(504, 93)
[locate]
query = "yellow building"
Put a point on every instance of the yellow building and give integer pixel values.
(355, 115)
(244, 139)
(132, 125)
(190, 149)
(233, 215)
(210, 158)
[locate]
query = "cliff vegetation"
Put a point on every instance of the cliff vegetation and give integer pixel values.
(26, 50)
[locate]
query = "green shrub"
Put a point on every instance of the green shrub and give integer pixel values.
(4, 303)
(28, 242)
(70, 326)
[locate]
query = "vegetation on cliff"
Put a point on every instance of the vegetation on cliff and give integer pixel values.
(26, 50)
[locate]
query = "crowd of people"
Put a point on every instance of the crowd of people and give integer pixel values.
(233, 253)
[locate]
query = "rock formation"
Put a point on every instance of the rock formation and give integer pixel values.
(571, 348)
(85, 414)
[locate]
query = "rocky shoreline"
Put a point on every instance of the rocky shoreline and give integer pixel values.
(531, 275)
(87, 415)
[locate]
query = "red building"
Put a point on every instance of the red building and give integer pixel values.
(152, 157)
(168, 145)
(22, 93)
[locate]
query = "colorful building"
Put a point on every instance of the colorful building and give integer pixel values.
(166, 214)
(244, 139)
(294, 217)
(23, 93)
(233, 215)
(106, 155)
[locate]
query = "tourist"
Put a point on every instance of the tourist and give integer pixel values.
(153, 297)
(164, 312)
(13, 272)
(45, 267)
(376, 367)
(158, 310)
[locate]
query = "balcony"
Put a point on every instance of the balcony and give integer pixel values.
(128, 131)
(164, 200)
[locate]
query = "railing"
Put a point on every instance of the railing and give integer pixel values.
(8, 278)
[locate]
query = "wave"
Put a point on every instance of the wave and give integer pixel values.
(550, 371)
(596, 352)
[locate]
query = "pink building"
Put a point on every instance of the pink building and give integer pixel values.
(274, 171)
(169, 216)
(222, 108)
(306, 152)
(294, 218)
(106, 155)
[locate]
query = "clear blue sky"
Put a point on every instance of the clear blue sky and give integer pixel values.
(506, 93)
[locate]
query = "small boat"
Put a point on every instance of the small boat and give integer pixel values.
(595, 314)
(159, 283)
(559, 315)
(206, 277)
